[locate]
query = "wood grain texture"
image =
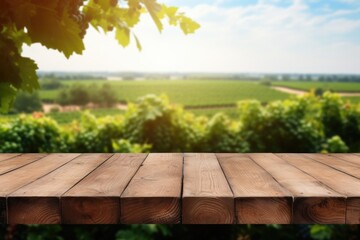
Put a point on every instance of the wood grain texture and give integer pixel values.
(337, 180)
(19, 161)
(11, 181)
(34, 210)
(353, 210)
(153, 194)
(259, 199)
(351, 158)
(96, 198)
(336, 163)
(207, 197)
(5, 156)
(319, 210)
(90, 210)
(314, 202)
(39, 201)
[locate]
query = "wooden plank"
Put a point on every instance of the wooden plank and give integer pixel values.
(96, 199)
(11, 181)
(153, 195)
(19, 161)
(5, 156)
(259, 199)
(336, 163)
(314, 202)
(38, 202)
(207, 197)
(351, 158)
(339, 181)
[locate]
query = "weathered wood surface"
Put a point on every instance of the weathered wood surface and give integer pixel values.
(207, 197)
(336, 163)
(337, 180)
(8, 165)
(180, 188)
(352, 158)
(259, 199)
(95, 199)
(314, 202)
(38, 202)
(12, 181)
(153, 194)
(5, 156)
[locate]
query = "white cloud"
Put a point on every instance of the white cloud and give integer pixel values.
(261, 37)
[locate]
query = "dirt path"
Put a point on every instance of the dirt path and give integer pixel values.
(302, 92)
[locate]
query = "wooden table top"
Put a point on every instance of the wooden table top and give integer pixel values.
(188, 188)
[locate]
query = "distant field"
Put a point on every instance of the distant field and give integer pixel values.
(334, 86)
(185, 92)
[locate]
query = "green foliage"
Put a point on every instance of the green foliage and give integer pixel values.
(321, 232)
(27, 103)
(125, 146)
(339, 118)
(143, 232)
(223, 135)
(81, 95)
(94, 135)
(180, 232)
(62, 25)
(335, 145)
(51, 84)
(301, 124)
(154, 121)
(280, 126)
(31, 134)
(75, 95)
(43, 232)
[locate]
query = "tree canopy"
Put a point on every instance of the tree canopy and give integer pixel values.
(62, 25)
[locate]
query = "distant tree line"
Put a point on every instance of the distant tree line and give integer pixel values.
(81, 95)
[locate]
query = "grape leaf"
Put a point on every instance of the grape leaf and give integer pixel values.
(138, 44)
(106, 4)
(187, 25)
(7, 96)
(153, 8)
(62, 33)
(122, 35)
(29, 79)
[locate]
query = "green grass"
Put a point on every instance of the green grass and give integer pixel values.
(334, 86)
(186, 92)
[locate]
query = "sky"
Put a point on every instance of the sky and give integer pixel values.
(236, 36)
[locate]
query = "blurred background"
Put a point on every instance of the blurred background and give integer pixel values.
(258, 76)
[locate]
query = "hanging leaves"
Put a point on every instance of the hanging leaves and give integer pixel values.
(62, 25)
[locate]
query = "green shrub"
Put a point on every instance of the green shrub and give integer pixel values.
(154, 121)
(94, 135)
(27, 103)
(301, 124)
(31, 134)
(280, 126)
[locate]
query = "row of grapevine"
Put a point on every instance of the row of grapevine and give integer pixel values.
(299, 124)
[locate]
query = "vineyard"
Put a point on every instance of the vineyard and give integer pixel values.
(183, 92)
(333, 86)
(301, 124)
